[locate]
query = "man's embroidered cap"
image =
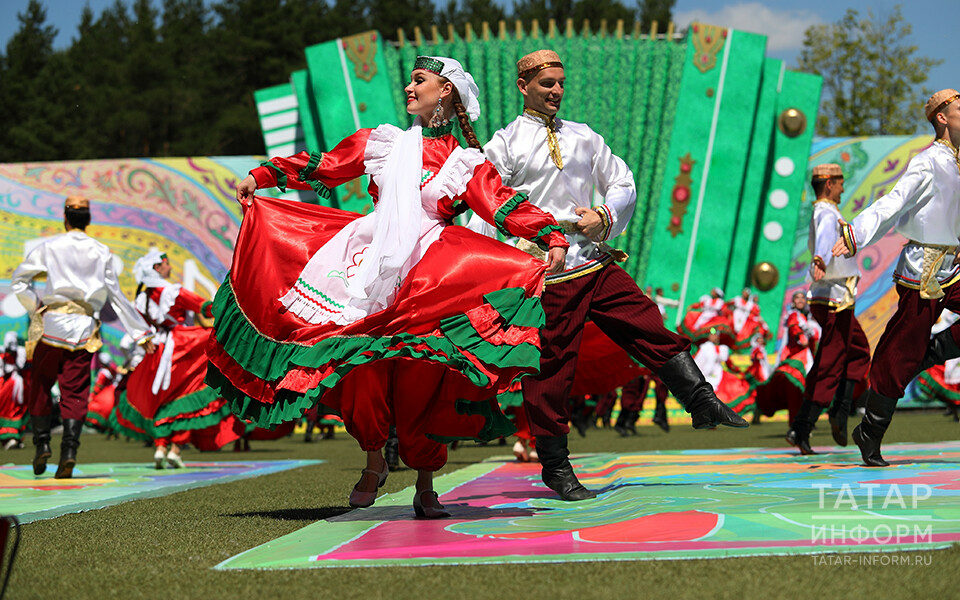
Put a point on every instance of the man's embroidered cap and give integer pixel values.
(536, 62)
(939, 101)
(827, 171)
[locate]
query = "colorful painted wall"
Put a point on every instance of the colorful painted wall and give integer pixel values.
(183, 206)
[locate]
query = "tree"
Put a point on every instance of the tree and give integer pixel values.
(29, 89)
(599, 10)
(870, 75)
(660, 11)
(475, 12)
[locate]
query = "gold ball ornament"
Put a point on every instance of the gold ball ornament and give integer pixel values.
(764, 276)
(792, 122)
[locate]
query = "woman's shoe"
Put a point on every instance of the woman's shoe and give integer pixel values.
(360, 499)
(433, 509)
(158, 457)
(520, 451)
(175, 461)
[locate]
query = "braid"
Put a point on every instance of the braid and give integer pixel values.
(468, 133)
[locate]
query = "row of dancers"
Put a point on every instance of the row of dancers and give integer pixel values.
(399, 318)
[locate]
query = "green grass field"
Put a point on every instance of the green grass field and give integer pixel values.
(165, 547)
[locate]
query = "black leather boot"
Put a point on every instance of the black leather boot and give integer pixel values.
(556, 470)
(840, 411)
(391, 451)
(41, 439)
(682, 376)
(621, 425)
(660, 417)
(941, 348)
(799, 434)
(68, 448)
(869, 433)
(632, 419)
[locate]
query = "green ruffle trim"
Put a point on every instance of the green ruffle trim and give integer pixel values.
(130, 414)
(511, 205)
(304, 175)
(281, 176)
(798, 366)
(538, 239)
(206, 309)
(93, 417)
(508, 207)
(14, 423)
(496, 424)
(270, 360)
(516, 309)
(435, 132)
(187, 404)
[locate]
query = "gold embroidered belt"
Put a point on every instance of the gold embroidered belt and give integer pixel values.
(70, 307)
(933, 256)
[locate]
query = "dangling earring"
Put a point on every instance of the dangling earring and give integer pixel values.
(437, 119)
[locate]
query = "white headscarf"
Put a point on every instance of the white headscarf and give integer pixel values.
(463, 81)
(144, 272)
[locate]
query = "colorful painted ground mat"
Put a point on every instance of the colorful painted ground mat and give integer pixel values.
(658, 505)
(98, 485)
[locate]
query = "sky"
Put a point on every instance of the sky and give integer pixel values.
(782, 21)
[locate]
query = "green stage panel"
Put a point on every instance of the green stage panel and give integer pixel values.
(787, 176)
(694, 228)
(755, 181)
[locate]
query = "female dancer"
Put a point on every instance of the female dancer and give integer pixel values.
(165, 398)
(395, 317)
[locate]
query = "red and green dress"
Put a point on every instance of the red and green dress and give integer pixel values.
(784, 389)
(166, 399)
(459, 323)
(14, 377)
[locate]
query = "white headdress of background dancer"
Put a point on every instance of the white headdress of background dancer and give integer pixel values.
(144, 272)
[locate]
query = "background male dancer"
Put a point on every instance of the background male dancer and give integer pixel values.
(843, 354)
(64, 327)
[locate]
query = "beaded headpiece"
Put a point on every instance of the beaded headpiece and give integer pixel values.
(428, 63)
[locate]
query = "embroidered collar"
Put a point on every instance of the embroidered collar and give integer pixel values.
(541, 118)
(827, 200)
(435, 132)
(953, 150)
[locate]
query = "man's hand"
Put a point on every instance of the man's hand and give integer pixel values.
(590, 223)
(149, 347)
(246, 189)
(818, 267)
(556, 260)
(840, 248)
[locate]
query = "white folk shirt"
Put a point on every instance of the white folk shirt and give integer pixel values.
(521, 155)
(824, 233)
(78, 269)
(924, 207)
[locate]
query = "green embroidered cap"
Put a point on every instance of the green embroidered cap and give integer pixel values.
(428, 64)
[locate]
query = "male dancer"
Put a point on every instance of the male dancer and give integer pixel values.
(843, 355)
(64, 327)
(924, 207)
(559, 164)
